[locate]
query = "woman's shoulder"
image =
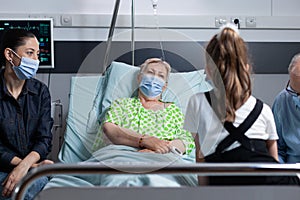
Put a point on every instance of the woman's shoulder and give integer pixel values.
(34, 84)
(266, 110)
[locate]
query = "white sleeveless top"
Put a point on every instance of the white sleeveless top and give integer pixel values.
(201, 119)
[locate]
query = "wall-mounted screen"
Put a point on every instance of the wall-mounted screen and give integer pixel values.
(43, 30)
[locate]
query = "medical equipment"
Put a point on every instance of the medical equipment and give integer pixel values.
(176, 151)
(42, 28)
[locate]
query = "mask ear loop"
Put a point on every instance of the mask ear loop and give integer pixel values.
(15, 53)
(11, 60)
(161, 95)
(12, 64)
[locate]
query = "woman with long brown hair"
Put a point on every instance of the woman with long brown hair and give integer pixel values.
(229, 124)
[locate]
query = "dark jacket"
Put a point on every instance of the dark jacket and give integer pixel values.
(25, 123)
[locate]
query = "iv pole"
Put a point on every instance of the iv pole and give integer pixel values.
(132, 30)
(111, 32)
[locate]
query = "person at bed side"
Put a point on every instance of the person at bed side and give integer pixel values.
(25, 113)
(230, 124)
(146, 121)
(286, 109)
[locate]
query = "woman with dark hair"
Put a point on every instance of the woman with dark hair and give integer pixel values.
(25, 113)
(229, 124)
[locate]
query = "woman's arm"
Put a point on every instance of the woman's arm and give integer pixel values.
(202, 180)
(277, 113)
(124, 136)
(181, 138)
(272, 147)
(199, 155)
(119, 135)
(18, 172)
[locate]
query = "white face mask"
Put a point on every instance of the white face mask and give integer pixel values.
(27, 68)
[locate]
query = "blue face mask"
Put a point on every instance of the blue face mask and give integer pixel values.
(27, 68)
(151, 86)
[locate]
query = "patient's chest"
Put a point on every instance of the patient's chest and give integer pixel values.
(161, 123)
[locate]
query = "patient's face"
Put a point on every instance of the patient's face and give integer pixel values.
(156, 69)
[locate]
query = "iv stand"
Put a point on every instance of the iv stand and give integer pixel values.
(111, 32)
(132, 30)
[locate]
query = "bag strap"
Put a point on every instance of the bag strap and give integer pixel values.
(207, 95)
(238, 133)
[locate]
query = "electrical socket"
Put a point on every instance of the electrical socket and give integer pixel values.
(219, 21)
(250, 22)
(236, 20)
(66, 20)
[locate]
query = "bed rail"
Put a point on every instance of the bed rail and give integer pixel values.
(215, 169)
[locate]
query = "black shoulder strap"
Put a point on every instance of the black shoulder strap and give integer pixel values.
(237, 133)
(207, 95)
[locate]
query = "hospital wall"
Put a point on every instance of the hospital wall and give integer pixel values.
(271, 27)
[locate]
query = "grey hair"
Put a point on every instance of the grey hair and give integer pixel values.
(294, 60)
(155, 60)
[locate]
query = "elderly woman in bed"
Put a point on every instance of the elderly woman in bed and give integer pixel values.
(145, 121)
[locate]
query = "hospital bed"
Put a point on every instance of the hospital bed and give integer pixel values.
(90, 96)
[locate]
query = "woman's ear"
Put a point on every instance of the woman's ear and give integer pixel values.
(139, 78)
(8, 54)
(165, 86)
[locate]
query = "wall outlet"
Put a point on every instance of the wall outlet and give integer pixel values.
(219, 21)
(66, 20)
(250, 22)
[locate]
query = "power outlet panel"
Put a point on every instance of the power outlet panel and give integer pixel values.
(250, 22)
(219, 21)
(66, 20)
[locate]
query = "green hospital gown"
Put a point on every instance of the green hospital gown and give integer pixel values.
(164, 124)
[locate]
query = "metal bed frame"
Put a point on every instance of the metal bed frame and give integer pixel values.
(201, 169)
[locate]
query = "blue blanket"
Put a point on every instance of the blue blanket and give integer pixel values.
(116, 155)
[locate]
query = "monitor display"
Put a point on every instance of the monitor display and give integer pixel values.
(43, 30)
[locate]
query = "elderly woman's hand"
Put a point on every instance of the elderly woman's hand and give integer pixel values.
(155, 144)
(146, 151)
